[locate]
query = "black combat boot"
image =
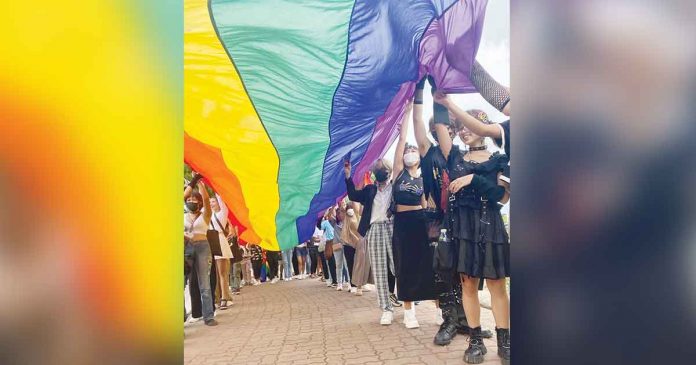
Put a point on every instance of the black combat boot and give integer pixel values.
(465, 330)
(503, 335)
(463, 326)
(476, 351)
(448, 328)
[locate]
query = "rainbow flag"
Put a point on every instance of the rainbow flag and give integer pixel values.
(279, 92)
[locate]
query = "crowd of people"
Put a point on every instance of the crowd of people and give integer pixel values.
(428, 228)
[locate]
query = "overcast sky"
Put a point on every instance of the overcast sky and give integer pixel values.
(494, 55)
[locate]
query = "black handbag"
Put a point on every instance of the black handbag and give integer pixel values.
(433, 223)
(445, 253)
(214, 242)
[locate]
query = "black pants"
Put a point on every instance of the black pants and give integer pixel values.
(256, 265)
(332, 270)
(450, 297)
(273, 257)
(314, 256)
(213, 283)
(324, 265)
(392, 280)
(295, 264)
(349, 253)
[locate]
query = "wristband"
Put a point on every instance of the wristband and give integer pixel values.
(421, 84)
(440, 114)
(418, 97)
(195, 180)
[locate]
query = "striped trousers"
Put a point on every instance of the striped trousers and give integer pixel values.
(379, 247)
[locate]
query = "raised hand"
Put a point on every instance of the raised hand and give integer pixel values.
(441, 98)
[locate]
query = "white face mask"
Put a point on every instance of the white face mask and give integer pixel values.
(411, 159)
(350, 212)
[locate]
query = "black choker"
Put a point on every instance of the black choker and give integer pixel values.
(479, 148)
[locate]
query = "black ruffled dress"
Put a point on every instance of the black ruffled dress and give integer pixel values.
(475, 221)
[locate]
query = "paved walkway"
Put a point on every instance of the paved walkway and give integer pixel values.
(304, 322)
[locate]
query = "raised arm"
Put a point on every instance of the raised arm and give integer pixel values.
(224, 211)
(353, 193)
(494, 93)
(418, 126)
(469, 122)
(189, 188)
(207, 212)
(441, 127)
(401, 145)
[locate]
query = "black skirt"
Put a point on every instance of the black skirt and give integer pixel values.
(484, 249)
(413, 257)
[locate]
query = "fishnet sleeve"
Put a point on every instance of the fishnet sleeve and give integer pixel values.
(494, 93)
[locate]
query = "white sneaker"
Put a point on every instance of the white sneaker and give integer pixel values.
(194, 320)
(328, 283)
(256, 282)
(346, 287)
(339, 287)
(359, 292)
(410, 318)
(242, 283)
(386, 319)
(275, 280)
(353, 290)
(438, 317)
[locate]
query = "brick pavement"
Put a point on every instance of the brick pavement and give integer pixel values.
(304, 322)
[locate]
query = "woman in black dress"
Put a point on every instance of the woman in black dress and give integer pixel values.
(415, 279)
(476, 195)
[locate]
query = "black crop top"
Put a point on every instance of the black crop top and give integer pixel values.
(408, 190)
(486, 171)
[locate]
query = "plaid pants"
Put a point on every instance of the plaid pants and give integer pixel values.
(379, 247)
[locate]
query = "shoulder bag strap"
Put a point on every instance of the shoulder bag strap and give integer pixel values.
(224, 230)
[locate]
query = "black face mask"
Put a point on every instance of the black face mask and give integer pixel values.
(192, 207)
(381, 175)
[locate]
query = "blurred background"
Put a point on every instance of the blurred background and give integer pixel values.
(604, 247)
(90, 182)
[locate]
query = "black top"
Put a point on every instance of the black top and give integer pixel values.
(255, 251)
(366, 197)
(408, 190)
(485, 183)
(504, 141)
(433, 165)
